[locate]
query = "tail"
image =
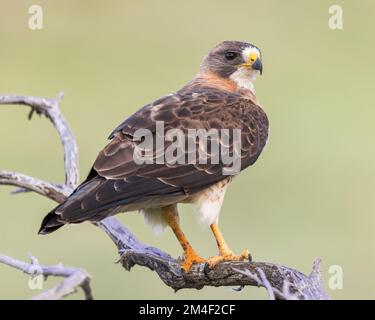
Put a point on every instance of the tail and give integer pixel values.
(72, 209)
(50, 223)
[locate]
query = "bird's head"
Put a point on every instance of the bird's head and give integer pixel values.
(239, 62)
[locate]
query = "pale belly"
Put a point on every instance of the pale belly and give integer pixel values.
(208, 202)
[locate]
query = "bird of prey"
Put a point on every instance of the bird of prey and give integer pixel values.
(220, 96)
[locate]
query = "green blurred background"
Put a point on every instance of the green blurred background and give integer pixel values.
(311, 194)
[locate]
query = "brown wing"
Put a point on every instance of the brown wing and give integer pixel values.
(116, 180)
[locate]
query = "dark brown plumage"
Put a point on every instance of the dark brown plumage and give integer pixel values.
(212, 100)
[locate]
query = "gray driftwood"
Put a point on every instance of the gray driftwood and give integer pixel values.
(74, 277)
(281, 282)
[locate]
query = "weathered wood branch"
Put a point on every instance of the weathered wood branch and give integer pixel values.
(55, 192)
(75, 277)
(281, 282)
(51, 109)
(286, 283)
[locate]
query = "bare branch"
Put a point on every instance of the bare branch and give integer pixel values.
(74, 277)
(280, 281)
(235, 273)
(50, 109)
(294, 284)
(53, 191)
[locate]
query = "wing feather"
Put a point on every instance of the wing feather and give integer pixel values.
(116, 180)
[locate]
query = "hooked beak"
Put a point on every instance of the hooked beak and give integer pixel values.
(257, 65)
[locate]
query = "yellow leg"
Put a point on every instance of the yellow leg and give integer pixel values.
(225, 254)
(190, 256)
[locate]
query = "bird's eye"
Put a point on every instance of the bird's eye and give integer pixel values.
(230, 55)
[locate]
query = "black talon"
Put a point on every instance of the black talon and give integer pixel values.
(250, 258)
(206, 270)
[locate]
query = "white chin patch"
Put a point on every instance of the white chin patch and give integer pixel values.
(244, 78)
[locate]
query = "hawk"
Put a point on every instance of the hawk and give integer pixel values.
(220, 96)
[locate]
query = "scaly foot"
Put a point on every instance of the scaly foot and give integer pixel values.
(228, 255)
(189, 258)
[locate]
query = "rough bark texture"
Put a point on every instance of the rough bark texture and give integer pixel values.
(281, 282)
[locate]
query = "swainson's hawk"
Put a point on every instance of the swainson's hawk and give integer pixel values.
(221, 96)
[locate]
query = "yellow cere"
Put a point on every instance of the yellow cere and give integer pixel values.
(252, 57)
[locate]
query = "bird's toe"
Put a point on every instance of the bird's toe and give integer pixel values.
(189, 259)
(228, 256)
